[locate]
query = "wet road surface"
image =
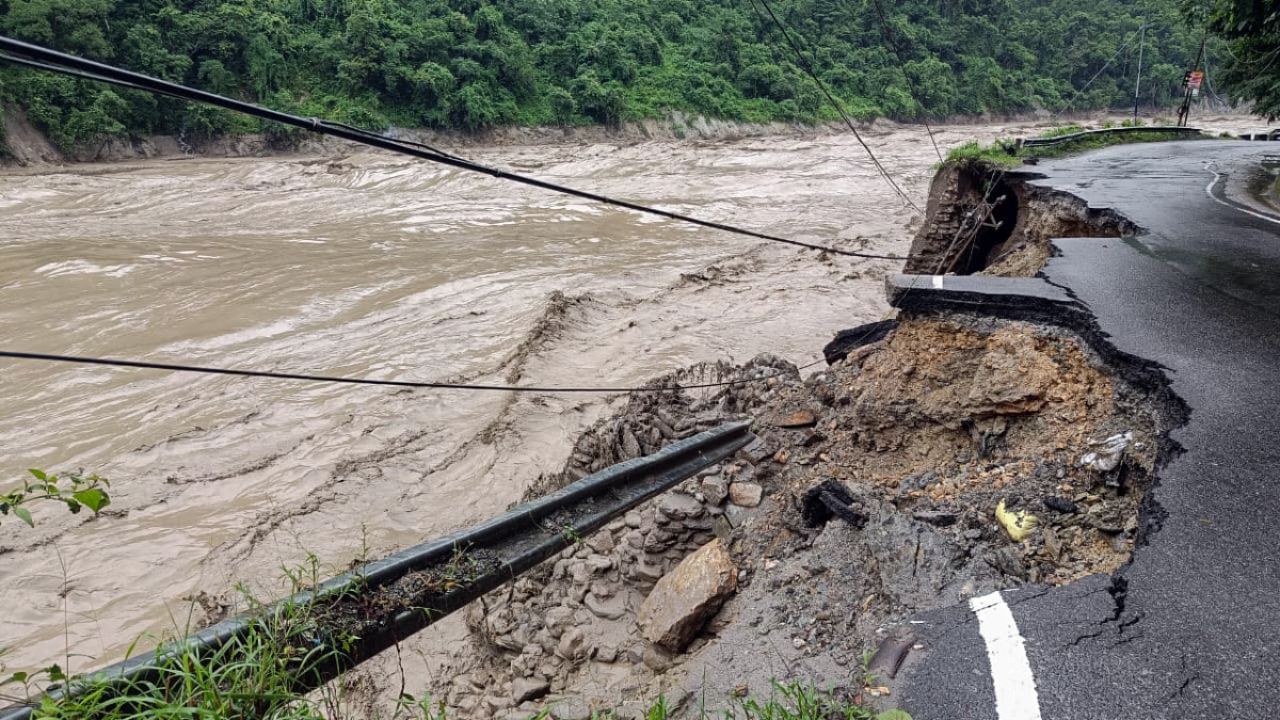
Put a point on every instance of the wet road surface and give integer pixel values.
(1191, 628)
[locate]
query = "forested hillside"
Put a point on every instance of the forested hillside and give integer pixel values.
(471, 64)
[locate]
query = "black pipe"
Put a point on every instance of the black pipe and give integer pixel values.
(510, 544)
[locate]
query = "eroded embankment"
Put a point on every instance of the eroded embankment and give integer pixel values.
(992, 221)
(942, 457)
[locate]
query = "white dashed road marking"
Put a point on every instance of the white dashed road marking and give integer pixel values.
(1015, 685)
(937, 281)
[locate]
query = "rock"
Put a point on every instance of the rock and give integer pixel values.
(1061, 505)
(572, 645)
(757, 451)
(684, 599)
(607, 653)
(799, 419)
(646, 570)
(745, 494)
(677, 506)
(657, 659)
(601, 542)
(572, 709)
(715, 489)
(557, 618)
(918, 481)
(523, 689)
(941, 518)
(608, 608)
(1105, 456)
(599, 563)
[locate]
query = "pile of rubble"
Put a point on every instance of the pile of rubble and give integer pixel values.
(953, 456)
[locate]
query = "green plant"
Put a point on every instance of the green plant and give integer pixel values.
(1001, 153)
(83, 492)
(473, 65)
(796, 701)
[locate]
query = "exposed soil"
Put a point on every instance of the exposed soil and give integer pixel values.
(991, 221)
(918, 437)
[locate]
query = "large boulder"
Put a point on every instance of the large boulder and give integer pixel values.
(685, 598)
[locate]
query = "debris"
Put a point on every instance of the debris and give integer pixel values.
(529, 689)
(830, 499)
(757, 451)
(746, 495)
(889, 656)
(715, 489)
(1061, 505)
(1018, 523)
(688, 596)
(940, 518)
(1105, 456)
(918, 481)
(799, 419)
(847, 340)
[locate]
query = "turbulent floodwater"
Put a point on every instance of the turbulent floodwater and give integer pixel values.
(370, 265)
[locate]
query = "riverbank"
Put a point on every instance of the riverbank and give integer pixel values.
(27, 146)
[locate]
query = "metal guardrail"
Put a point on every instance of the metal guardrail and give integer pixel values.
(1063, 139)
(505, 547)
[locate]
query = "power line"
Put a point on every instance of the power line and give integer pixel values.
(807, 66)
(205, 370)
(55, 61)
(891, 40)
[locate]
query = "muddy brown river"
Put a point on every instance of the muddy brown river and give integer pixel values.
(372, 265)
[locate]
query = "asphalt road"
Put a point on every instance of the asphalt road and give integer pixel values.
(1191, 628)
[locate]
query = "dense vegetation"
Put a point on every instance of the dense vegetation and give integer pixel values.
(471, 64)
(1252, 29)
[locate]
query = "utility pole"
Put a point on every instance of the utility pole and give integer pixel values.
(1185, 111)
(1138, 85)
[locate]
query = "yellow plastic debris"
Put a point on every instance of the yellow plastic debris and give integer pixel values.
(1018, 523)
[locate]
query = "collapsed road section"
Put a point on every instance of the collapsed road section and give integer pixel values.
(1183, 630)
(982, 441)
(1008, 465)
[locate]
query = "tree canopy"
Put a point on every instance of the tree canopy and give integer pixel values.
(1252, 31)
(473, 64)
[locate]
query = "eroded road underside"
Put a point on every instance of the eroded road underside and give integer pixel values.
(1188, 628)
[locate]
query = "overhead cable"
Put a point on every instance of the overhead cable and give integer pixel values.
(55, 61)
(892, 41)
(807, 66)
(206, 370)
(1122, 48)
